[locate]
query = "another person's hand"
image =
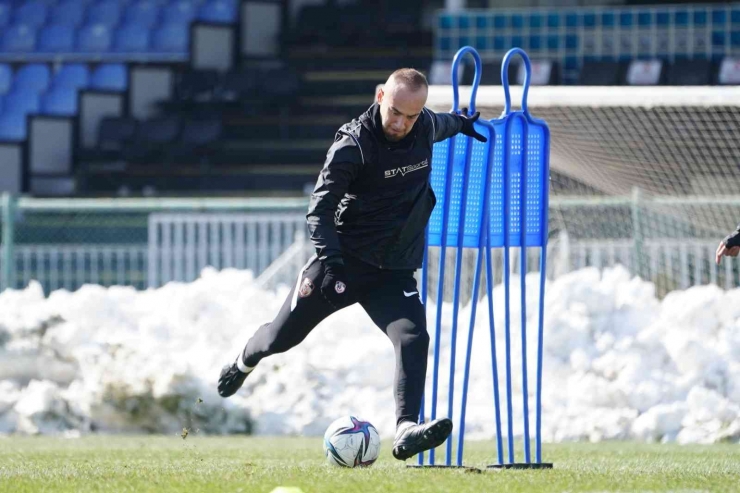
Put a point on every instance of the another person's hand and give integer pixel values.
(724, 251)
(468, 127)
(334, 285)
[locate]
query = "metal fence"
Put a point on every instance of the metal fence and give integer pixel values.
(181, 244)
(64, 244)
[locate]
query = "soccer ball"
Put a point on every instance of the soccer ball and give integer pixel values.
(351, 442)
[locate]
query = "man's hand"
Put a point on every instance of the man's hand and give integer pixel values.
(724, 251)
(334, 285)
(468, 128)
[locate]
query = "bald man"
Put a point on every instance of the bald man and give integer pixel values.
(367, 217)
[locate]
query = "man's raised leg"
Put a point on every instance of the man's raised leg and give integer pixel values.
(302, 311)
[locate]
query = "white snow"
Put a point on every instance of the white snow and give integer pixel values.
(619, 363)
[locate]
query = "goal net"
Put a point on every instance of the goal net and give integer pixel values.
(647, 177)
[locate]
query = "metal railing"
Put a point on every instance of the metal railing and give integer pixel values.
(65, 243)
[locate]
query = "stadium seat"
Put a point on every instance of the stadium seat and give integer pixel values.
(75, 76)
(159, 130)
(197, 141)
(238, 85)
(728, 71)
(5, 10)
(94, 39)
(280, 83)
(110, 77)
(172, 38)
(152, 139)
(60, 101)
(179, 12)
(689, 73)
(106, 12)
(32, 77)
(131, 38)
(544, 72)
(6, 78)
(115, 132)
(645, 73)
(143, 13)
(19, 38)
(601, 74)
(217, 11)
(196, 133)
(57, 39)
(22, 101)
(12, 127)
(197, 85)
(68, 13)
(31, 13)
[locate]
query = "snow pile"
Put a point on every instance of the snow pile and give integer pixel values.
(618, 362)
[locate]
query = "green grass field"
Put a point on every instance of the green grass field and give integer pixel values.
(146, 463)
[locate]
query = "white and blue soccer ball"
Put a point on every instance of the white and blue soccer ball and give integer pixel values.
(351, 442)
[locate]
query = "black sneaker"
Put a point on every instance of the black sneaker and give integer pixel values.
(418, 438)
(231, 379)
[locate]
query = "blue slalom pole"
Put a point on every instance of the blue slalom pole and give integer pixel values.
(506, 278)
(492, 330)
(483, 220)
(456, 292)
(523, 284)
(440, 283)
(541, 322)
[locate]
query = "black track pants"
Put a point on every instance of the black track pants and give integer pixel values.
(391, 299)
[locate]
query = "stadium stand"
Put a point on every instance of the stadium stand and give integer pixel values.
(265, 124)
(109, 77)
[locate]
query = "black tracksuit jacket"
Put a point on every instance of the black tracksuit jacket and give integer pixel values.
(373, 198)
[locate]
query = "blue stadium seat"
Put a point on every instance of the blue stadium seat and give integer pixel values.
(218, 11)
(57, 39)
(31, 13)
(172, 38)
(19, 38)
(180, 12)
(61, 101)
(94, 39)
(131, 38)
(22, 102)
(12, 127)
(6, 78)
(73, 75)
(107, 12)
(34, 77)
(143, 13)
(5, 14)
(110, 77)
(68, 13)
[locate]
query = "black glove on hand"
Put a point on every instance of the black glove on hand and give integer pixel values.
(468, 128)
(334, 285)
(733, 239)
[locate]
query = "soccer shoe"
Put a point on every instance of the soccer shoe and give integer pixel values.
(418, 438)
(231, 379)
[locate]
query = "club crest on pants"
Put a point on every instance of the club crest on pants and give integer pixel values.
(306, 288)
(339, 287)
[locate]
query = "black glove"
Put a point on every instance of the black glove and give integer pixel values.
(733, 239)
(334, 285)
(467, 126)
